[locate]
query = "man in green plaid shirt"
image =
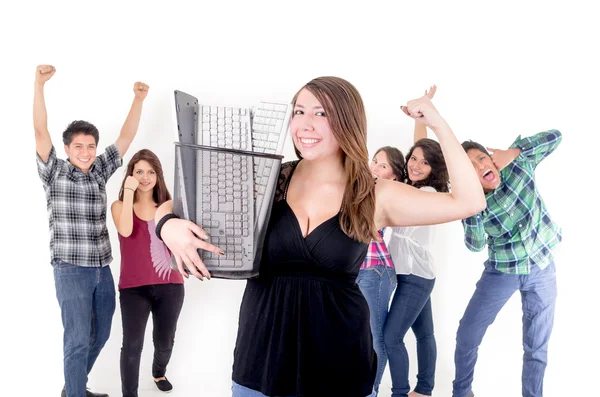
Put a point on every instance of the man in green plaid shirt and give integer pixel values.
(520, 235)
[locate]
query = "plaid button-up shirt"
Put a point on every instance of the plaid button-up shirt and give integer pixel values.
(377, 254)
(76, 203)
(518, 226)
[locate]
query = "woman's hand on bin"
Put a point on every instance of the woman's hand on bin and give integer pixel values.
(184, 238)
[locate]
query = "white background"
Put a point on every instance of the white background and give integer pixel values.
(502, 70)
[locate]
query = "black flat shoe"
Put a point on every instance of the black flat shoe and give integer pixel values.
(164, 385)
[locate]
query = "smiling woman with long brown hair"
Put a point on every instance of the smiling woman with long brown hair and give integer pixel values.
(146, 284)
(304, 324)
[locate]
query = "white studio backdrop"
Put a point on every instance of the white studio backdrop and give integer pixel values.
(501, 70)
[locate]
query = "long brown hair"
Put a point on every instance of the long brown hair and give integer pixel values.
(160, 193)
(395, 159)
(438, 177)
(345, 113)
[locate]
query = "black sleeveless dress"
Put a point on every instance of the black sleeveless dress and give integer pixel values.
(304, 324)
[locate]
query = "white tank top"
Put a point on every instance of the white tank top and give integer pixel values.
(410, 248)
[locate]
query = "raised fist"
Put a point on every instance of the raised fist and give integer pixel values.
(423, 111)
(131, 183)
(43, 73)
(141, 90)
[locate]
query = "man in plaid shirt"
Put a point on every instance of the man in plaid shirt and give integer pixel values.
(79, 244)
(520, 235)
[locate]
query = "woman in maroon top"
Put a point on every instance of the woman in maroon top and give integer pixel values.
(146, 284)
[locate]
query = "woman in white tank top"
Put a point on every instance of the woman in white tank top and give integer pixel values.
(410, 249)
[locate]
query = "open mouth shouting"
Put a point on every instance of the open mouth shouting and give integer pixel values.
(489, 176)
(489, 179)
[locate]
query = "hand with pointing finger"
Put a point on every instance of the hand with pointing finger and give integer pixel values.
(431, 93)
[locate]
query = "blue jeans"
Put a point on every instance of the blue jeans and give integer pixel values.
(86, 296)
(411, 308)
(538, 298)
(242, 391)
(377, 284)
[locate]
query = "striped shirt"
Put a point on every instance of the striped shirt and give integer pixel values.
(377, 254)
(516, 225)
(76, 203)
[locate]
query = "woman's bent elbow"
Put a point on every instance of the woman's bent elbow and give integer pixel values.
(477, 206)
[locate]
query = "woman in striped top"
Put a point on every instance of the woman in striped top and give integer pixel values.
(377, 277)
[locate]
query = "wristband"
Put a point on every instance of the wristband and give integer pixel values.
(161, 223)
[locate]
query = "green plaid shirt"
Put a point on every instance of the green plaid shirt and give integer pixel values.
(519, 229)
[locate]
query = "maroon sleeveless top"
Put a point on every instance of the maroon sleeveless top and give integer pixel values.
(145, 260)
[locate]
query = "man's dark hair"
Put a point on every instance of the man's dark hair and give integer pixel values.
(468, 145)
(80, 127)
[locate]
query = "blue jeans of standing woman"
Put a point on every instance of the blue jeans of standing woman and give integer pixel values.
(377, 284)
(411, 308)
(242, 391)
